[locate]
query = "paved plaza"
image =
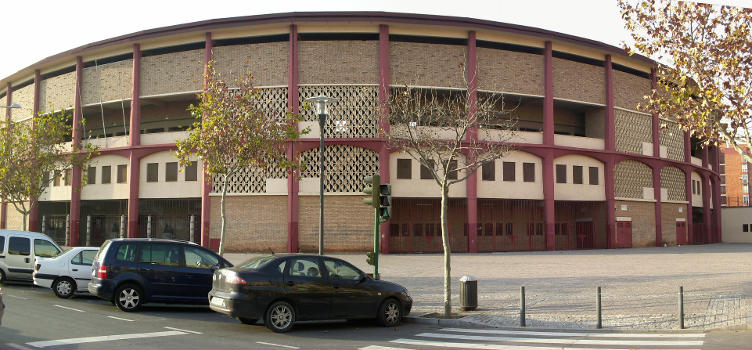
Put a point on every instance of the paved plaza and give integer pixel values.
(639, 285)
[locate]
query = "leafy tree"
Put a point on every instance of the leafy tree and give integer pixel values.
(233, 132)
(437, 128)
(707, 52)
(32, 150)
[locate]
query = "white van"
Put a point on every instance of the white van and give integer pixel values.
(17, 252)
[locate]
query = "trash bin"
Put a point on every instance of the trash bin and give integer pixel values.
(468, 293)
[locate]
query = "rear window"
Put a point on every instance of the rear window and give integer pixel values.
(2, 244)
(256, 263)
(126, 252)
(100, 256)
(45, 248)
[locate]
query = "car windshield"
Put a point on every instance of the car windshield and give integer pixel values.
(256, 263)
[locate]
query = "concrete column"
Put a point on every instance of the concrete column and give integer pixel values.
(148, 226)
(192, 228)
(122, 226)
(68, 229)
(134, 161)
(34, 214)
(610, 132)
(205, 178)
(88, 230)
(75, 203)
(716, 198)
(656, 121)
(706, 207)
(548, 98)
(658, 213)
(3, 204)
(3, 214)
(471, 183)
(688, 196)
(44, 224)
(384, 171)
(549, 216)
(610, 203)
(293, 202)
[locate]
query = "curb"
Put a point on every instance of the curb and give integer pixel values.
(448, 322)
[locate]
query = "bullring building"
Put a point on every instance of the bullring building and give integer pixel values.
(588, 170)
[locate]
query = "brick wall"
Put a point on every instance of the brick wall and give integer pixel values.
(338, 62)
(14, 219)
(107, 82)
(254, 223)
(267, 62)
(57, 92)
(643, 221)
(629, 90)
(24, 97)
(172, 72)
(348, 224)
(733, 172)
(579, 81)
(427, 64)
(509, 71)
(669, 214)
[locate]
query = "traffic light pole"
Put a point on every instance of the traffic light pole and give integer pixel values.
(376, 222)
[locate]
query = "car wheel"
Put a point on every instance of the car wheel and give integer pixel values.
(280, 317)
(129, 298)
(390, 313)
(2, 277)
(246, 320)
(64, 287)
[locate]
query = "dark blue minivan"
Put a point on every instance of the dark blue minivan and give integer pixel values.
(133, 271)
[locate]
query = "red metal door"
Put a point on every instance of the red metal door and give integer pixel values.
(585, 235)
(624, 234)
(681, 232)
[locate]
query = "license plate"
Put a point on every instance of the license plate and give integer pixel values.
(218, 302)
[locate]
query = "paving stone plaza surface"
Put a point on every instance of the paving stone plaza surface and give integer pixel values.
(639, 286)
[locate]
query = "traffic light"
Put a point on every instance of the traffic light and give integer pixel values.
(385, 201)
(370, 258)
(373, 184)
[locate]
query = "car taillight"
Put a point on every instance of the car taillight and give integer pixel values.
(236, 280)
(102, 272)
(37, 266)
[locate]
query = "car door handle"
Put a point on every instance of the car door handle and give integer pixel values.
(336, 286)
(26, 260)
(75, 269)
(290, 283)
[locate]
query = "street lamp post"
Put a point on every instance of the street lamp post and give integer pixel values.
(321, 108)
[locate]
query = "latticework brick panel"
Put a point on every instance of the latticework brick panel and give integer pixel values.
(248, 180)
(672, 179)
(173, 72)
(25, 97)
(346, 166)
(3, 102)
(355, 109)
(672, 137)
(107, 82)
(632, 129)
(273, 101)
(57, 93)
(630, 177)
(266, 61)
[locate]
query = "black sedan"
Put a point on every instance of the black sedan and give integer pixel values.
(283, 289)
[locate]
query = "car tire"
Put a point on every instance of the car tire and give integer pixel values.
(129, 298)
(2, 277)
(246, 320)
(390, 313)
(64, 287)
(280, 317)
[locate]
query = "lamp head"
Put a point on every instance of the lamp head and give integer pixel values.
(321, 104)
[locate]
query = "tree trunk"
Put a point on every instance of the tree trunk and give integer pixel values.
(222, 205)
(447, 251)
(24, 220)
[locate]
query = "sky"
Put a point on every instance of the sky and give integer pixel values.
(35, 29)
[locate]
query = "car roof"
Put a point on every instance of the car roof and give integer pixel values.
(22, 233)
(156, 240)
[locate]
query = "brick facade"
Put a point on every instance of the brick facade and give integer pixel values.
(501, 70)
(172, 73)
(629, 90)
(56, 93)
(643, 221)
(25, 97)
(14, 219)
(579, 81)
(106, 82)
(348, 224)
(669, 213)
(254, 223)
(427, 64)
(338, 62)
(267, 62)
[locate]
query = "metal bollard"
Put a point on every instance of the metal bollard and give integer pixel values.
(122, 226)
(681, 307)
(148, 226)
(522, 306)
(88, 230)
(598, 323)
(192, 228)
(67, 231)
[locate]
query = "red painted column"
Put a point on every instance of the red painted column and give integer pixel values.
(75, 203)
(3, 214)
(688, 192)
(656, 121)
(657, 206)
(34, 214)
(717, 195)
(549, 206)
(205, 178)
(706, 207)
(293, 186)
(608, 175)
(384, 169)
(471, 183)
(610, 132)
(548, 97)
(134, 160)
(3, 204)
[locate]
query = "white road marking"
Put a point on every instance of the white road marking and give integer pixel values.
(565, 341)
(69, 308)
(17, 297)
(280, 345)
(69, 341)
(120, 318)
(16, 346)
(493, 346)
(183, 330)
(377, 347)
(577, 334)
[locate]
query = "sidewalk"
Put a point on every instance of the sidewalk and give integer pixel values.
(639, 286)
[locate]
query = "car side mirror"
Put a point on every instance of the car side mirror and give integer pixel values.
(362, 279)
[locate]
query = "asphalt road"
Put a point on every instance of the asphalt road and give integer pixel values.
(36, 319)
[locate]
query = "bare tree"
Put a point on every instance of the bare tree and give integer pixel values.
(451, 133)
